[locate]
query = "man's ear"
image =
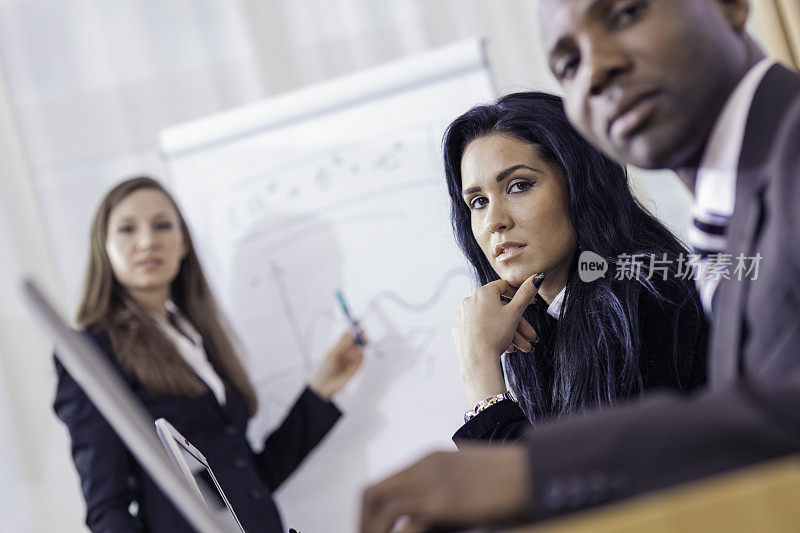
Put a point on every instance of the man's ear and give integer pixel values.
(735, 12)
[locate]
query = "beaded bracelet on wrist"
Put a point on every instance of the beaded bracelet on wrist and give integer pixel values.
(488, 402)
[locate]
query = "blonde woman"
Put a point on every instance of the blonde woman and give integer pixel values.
(148, 307)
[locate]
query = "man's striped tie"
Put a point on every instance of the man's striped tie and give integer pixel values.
(707, 236)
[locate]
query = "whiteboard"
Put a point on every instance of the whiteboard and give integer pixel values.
(339, 186)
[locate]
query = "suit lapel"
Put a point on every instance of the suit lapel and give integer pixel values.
(729, 333)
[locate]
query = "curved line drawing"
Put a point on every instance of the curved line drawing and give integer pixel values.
(302, 333)
(421, 306)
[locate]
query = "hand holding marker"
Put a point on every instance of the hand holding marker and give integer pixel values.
(353, 325)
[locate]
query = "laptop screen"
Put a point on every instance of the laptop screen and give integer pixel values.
(195, 468)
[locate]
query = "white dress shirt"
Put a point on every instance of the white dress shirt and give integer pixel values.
(189, 344)
(554, 309)
(715, 186)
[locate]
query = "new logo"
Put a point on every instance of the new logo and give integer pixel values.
(591, 266)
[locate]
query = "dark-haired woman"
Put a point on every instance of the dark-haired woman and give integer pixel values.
(528, 196)
(148, 307)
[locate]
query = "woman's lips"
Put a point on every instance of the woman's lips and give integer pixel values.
(149, 264)
(510, 253)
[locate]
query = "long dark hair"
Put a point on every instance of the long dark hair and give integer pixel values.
(139, 345)
(593, 357)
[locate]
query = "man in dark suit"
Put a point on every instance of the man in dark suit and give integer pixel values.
(673, 84)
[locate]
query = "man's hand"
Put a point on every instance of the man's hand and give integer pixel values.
(474, 487)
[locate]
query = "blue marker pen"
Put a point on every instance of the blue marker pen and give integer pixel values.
(350, 319)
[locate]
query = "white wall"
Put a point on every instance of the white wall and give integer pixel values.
(39, 490)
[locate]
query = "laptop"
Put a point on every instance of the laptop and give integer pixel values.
(124, 412)
(193, 465)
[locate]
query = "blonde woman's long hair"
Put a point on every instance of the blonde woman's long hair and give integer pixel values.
(138, 343)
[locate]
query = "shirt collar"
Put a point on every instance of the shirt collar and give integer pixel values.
(554, 309)
(181, 321)
(715, 187)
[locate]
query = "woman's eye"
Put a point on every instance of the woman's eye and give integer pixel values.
(627, 14)
(164, 226)
(519, 186)
(478, 202)
(125, 229)
(567, 68)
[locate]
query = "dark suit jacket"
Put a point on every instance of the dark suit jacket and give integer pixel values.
(111, 479)
(752, 412)
(682, 370)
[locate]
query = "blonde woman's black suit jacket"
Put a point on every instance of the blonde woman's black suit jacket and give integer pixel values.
(112, 480)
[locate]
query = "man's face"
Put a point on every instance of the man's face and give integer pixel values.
(644, 80)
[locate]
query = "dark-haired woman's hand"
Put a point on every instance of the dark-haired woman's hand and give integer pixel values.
(523, 337)
(338, 366)
(485, 327)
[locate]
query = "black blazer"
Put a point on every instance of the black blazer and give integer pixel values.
(121, 497)
(660, 367)
(752, 412)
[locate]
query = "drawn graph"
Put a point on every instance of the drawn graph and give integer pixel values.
(380, 302)
(339, 187)
(317, 180)
(370, 217)
(404, 334)
(400, 326)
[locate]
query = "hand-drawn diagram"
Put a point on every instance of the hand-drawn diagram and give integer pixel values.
(340, 187)
(315, 179)
(370, 217)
